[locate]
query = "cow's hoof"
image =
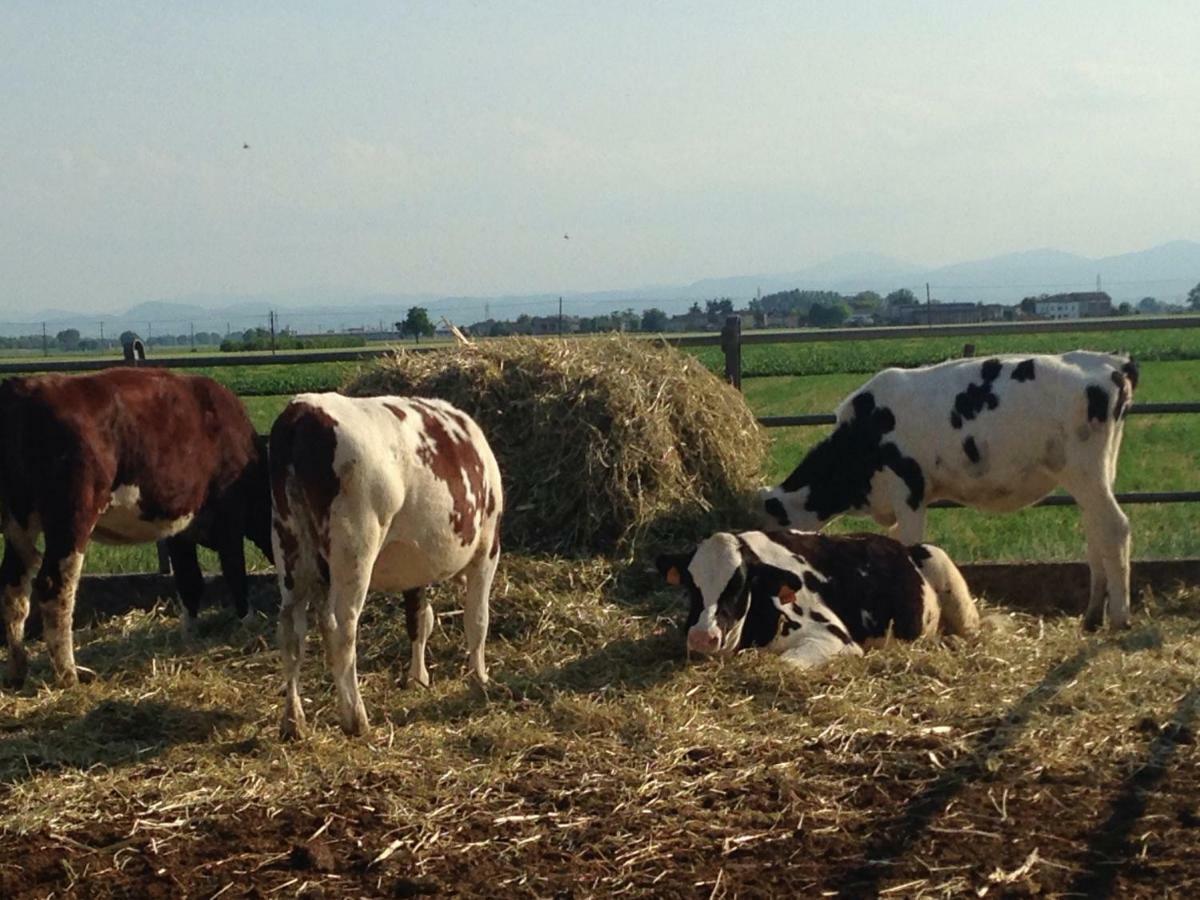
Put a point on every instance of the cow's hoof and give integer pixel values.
(85, 675)
(291, 729)
(357, 726)
(1092, 623)
(1121, 625)
(67, 679)
(13, 682)
(418, 679)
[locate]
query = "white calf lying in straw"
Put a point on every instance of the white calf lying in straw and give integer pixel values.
(997, 434)
(385, 493)
(810, 597)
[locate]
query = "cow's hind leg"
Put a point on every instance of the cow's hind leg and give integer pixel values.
(21, 560)
(54, 590)
(1093, 618)
(475, 609)
(347, 593)
(295, 590)
(188, 579)
(1107, 529)
(418, 619)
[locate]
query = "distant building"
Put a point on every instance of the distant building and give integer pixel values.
(944, 313)
(1080, 305)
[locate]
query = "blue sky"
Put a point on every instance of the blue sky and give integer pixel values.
(448, 147)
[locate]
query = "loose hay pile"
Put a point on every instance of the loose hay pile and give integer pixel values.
(1028, 761)
(601, 442)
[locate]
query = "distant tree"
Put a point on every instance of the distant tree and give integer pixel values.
(68, 339)
(416, 323)
(1125, 309)
(901, 297)
(866, 301)
(1028, 305)
(1149, 306)
(653, 319)
(718, 310)
(1193, 299)
(694, 309)
(827, 315)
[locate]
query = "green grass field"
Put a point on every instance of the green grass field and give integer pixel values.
(1160, 452)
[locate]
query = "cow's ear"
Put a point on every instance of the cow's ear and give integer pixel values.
(672, 566)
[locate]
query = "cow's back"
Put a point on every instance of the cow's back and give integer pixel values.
(994, 432)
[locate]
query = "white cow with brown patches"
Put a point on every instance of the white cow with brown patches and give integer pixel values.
(810, 597)
(385, 494)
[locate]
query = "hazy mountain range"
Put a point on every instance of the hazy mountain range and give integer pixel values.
(1166, 272)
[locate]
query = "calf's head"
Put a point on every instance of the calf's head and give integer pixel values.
(724, 578)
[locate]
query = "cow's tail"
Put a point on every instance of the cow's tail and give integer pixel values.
(958, 612)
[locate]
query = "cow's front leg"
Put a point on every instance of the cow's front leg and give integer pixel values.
(189, 580)
(232, 554)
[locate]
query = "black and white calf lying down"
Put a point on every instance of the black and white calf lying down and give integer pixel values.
(810, 597)
(996, 434)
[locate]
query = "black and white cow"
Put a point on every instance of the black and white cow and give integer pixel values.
(997, 435)
(379, 493)
(810, 597)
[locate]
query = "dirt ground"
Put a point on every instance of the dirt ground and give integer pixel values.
(1031, 761)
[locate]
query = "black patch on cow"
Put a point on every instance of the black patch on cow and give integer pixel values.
(971, 449)
(839, 634)
(1131, 372)
(977, 397)
(838, 470)
(817, 617)
(1097, 403)
(919, 553)
(788, 627)
(864, 572)
(1024, 371)
(776, 511)
(1122, 395)
(812, 582)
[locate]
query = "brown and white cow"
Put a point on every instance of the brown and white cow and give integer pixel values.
(124, 456)
(810, 597)
(380, 493)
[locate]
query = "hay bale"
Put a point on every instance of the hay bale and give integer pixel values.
(602, 442)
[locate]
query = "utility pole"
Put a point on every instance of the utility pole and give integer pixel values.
(560, 316)
(45, 346)
(271, 319)
(101, 334)
(192, 332)
(928, 306)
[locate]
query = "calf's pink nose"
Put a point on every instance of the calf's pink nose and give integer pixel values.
(703, 640)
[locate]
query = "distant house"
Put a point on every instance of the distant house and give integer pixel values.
(1079, 305)
(689, 321)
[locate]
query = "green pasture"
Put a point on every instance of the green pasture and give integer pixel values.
(829, 357)
(1160, 452)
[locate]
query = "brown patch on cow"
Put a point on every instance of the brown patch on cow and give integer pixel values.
(1055, 455)
(304, 441)
(1123, 394)
(455, 462)
(291, 552)
(396, 411)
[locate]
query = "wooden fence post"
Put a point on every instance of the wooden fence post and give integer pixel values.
(731, 344)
